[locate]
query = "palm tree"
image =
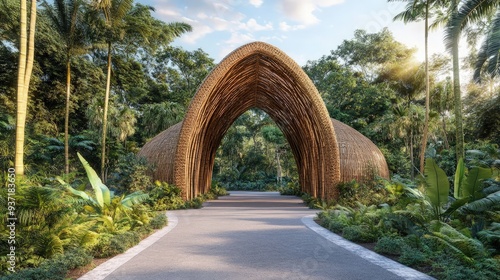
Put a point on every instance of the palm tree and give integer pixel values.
(470, 12)
(416, 10)
(26, 58)
(477, 12)
(488, 58)
(115, 14)
(457, 94)
(65, 16)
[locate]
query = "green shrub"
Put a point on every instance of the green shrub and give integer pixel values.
(195, 203)
(158, 221)
(491, 238)
(217, 189)
(208, 196)
(164, 196)
(55, 268)
(39, 273)
(144, 230)
(334, 219)
(359, 233)
(110, 245)
(413, 257)
(101, 249)
(448, 268)
(71, 259)
(121, 242)
(130, 174)
(390, 245)
(337, 226)
(352, 193)
(291, 188)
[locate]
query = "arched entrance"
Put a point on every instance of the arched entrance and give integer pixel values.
(256, 75)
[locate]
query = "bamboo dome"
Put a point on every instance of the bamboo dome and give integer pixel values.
(257, 75)
(360, 158)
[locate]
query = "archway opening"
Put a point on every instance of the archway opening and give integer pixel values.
(254, 155)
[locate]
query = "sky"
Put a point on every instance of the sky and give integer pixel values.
(305, 30)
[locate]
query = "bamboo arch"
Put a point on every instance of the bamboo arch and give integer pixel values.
(258, 75)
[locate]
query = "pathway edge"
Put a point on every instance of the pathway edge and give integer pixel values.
(388, 264)
(106, 268)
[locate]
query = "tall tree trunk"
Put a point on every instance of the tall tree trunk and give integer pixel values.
(25, 67)
(445, 137)
(105, 116)
(66, 117)
(427, 90)
(411, 156)
(459, 132)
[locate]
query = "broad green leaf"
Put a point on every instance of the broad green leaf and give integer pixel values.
(459, 177)
(81, 194)
(102, 193)
(456, 205)
(437, 185)
(483, 204)
(473, 183)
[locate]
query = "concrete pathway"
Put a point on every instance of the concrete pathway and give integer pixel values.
(248, 236)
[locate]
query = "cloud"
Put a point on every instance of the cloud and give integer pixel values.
(303, 11)
(199, 31)
(283, 26)
(252, 25)
(256, 3)
(207, 16)
(237, 39)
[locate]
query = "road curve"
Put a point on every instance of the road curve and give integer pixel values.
(248, 236)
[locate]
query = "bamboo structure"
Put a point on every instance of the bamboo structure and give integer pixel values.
(258, 75)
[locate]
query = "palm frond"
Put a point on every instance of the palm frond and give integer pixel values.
(176, 29)
(118, 10)
(493, 50)
(134, 198)
(469, 12)
(414, 11)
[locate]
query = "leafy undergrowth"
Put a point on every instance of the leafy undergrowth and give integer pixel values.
(445, 250)
(65, 228)
(447, 233)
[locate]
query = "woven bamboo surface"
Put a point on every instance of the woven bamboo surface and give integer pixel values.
(160, 152)
(360, 158)
(256, 75)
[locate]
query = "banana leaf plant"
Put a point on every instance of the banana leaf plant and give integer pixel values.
(468, 188)
(437, 187)
(102, 202)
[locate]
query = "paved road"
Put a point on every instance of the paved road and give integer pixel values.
(249, 236)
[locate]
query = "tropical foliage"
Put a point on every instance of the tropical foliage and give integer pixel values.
(426, 227)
